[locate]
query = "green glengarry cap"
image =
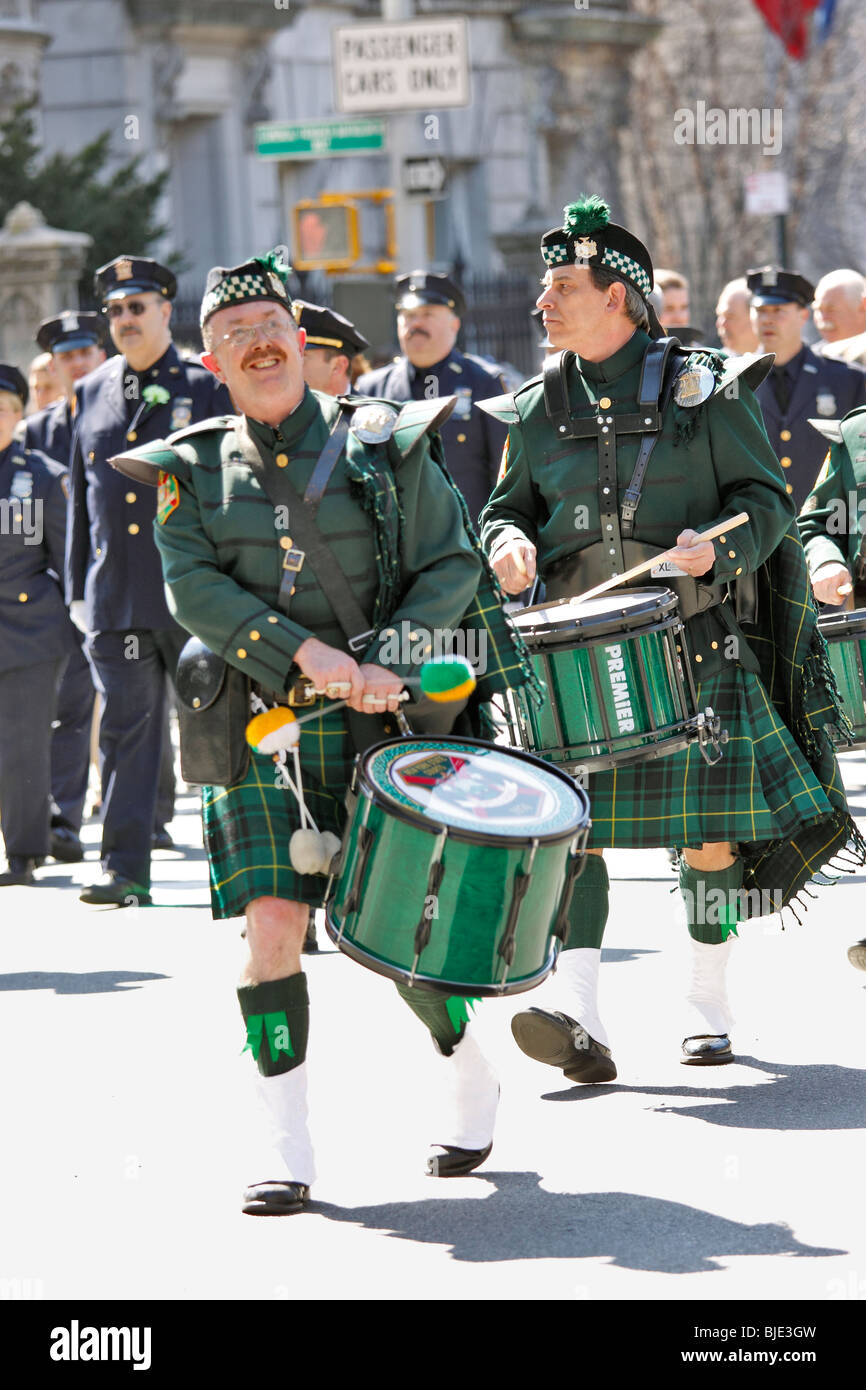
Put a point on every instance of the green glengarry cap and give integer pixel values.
(588, 237)
(262, 277)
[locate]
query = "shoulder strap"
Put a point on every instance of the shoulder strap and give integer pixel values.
(653, 384)
(327, 461)
(314, 549)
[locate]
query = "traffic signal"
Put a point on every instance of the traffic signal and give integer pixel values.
(326, 235)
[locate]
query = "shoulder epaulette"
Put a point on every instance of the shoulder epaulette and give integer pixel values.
(216, 422)
(501, 408)
(145, 463)
(751, 370)
(420, 417)
(830, 429)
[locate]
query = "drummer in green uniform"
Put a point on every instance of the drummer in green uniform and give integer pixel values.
(571, 503)
(833, 529)
(391, 537)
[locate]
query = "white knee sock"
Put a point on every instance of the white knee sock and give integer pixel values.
(709, 1011)
(286, 1153)
(471, 1095)
(575, 985)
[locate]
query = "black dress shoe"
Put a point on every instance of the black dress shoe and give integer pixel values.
(160, 839)
(65, 845)
(561, 1041)
(111, 889)
(455, 1163)
(311, 945)
(275, 1198)
(707, 1050)
(857, 955)
(19, 873)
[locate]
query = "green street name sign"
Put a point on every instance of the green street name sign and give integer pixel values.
(315, 139)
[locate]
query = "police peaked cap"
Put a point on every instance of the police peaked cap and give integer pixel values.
(133, 275)
(325, 328)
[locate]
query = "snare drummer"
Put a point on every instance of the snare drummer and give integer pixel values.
(560, 505)
(391, 523)
(834, 534)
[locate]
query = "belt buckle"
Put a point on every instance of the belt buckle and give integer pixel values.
(293, 560)
(298, 701)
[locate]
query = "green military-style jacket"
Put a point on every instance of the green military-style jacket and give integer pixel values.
(709, 462)
(831, 521)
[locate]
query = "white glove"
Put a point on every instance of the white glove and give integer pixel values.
(77, 609)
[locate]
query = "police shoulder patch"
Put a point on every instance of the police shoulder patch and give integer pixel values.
(168, 497)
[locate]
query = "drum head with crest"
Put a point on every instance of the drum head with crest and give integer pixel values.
(620, 611)
(477, 790)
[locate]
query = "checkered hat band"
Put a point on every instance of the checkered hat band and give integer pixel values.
(624, 265)
(555, 253)
(235, 289)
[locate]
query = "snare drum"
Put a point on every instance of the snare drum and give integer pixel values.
(457, 865)
(845, 635)
(618, 689)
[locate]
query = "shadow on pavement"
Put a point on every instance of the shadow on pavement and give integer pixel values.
(615, 955)
(520, 1221)
(819, 1096)
(64, 982)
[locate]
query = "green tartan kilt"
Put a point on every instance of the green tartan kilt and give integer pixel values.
(247, 827)
(762, 788)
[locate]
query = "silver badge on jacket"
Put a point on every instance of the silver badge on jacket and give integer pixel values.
(825, 403)
(693, 386)
(22, 483)
(373, 424)
(181, 413)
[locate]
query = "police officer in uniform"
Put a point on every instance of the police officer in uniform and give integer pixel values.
(649, 445)
(334, 350)
(801, 384)
(429, 308)
(36, 636)
(113, 574)
(75, 341)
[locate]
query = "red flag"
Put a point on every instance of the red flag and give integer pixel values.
(787, 18)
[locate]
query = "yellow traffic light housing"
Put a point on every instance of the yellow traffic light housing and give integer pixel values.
(327, 233)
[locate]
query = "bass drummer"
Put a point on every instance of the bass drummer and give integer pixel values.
(299, 538)
(624, 446)
(833, 529)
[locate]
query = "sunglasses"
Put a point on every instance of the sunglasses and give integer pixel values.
(136, 308)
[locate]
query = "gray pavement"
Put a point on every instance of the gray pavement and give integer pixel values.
(127, 1107)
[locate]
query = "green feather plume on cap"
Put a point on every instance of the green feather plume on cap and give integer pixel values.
(274, 261)
(589, 214)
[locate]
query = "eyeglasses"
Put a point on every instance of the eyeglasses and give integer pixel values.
(136, 308)
(268, 328)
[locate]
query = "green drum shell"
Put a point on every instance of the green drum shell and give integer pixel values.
(845, 635)
(472, 904)
(581, 724)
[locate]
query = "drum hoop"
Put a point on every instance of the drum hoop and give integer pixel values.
(459, 833)
(840, 627)
(576, 638)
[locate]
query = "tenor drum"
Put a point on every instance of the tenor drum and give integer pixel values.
(845, 635)
(619, 685)
(457, 865)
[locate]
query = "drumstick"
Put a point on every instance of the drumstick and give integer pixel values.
(723, 527)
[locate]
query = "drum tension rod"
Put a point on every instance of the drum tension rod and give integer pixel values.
(576, 867)
(434, 882)
(522, 879)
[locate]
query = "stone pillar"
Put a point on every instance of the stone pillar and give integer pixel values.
(584, 55)
(22, 43)
(39, 271)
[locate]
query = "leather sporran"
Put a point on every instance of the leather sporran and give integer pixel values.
(213, 707)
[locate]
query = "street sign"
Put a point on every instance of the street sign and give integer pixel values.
(318, 139)
(767, 193)
(419, 65)
(424, 177)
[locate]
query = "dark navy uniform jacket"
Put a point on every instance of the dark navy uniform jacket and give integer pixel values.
(50, 431)
(820, 387)
(472, 441)
(34, 623)
(111, 559)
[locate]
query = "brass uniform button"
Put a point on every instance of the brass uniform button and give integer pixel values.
(130, 496)
(605, 402)
(679, 648)
(788, 488)
(785, 435)
(272, 618)
(715, 646)
(281, 460)
(241, 652)
(461, 439)
(99, 550)
(722, 539)
(22, 598)
(133, 529)
(254, 636)
(785, 462)
(91, 456)
(732, 554)
(739, 571)
(286, 542)
(132, 436)
(196, 702)
(698, 657)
